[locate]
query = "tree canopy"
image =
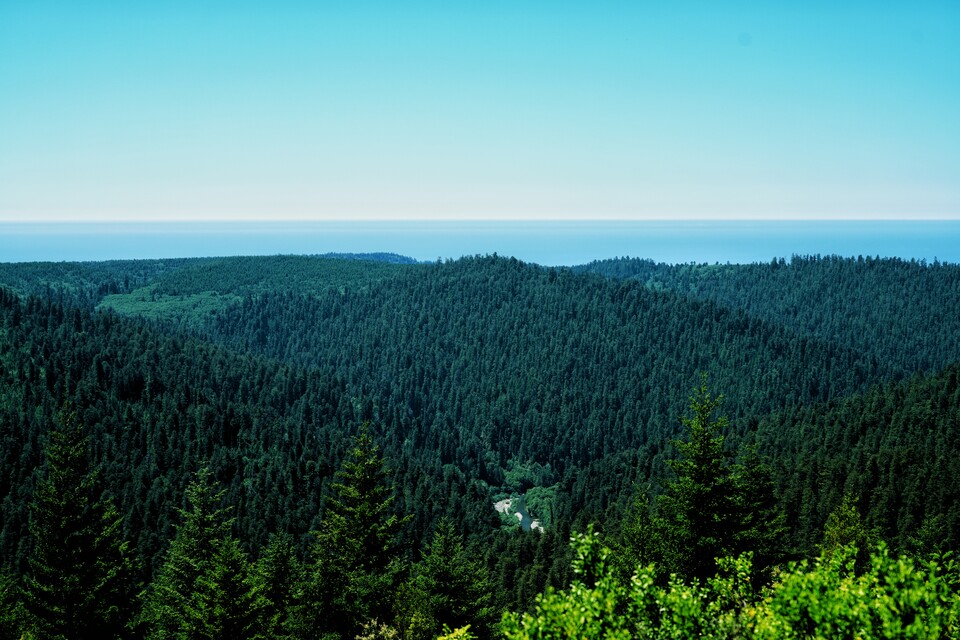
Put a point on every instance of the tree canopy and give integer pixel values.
(551, 392)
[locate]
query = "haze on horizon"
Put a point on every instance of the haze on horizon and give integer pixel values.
(505, 110)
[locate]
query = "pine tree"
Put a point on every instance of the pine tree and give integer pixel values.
(81, 580)
(280, 575)
(762, 522)
(448, 589)
(231, 604)
(639, 536)
(714, 507)
(698, 511)
(357, 566)
(11, 608)
(205, 587)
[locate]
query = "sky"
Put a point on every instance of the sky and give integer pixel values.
(639, 110)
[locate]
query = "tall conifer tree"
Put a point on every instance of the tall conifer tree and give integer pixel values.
(281, 577)
(698, 510)
(357, 556)
(447, 589)
(81, 582)
(11, 608)
(205, 588)
(714, 506)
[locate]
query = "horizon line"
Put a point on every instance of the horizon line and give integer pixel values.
(469, 219)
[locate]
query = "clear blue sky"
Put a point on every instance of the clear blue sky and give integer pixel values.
(586, 110)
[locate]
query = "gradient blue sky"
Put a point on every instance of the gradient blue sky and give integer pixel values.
(539, 110)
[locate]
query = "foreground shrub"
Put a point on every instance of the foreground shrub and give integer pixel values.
(896, 597)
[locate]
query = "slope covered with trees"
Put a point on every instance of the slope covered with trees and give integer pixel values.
(548, 366)
(893, 449)
(901, 311)
(479, 380)
(157, 408)
(85, 283)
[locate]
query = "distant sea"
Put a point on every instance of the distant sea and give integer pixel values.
(542, 242)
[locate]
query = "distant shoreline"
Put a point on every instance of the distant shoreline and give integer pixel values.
(552, 243)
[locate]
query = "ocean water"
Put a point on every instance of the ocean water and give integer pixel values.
(542, 242)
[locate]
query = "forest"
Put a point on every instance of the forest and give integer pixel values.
(364, 446)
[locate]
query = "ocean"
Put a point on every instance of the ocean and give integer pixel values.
(550, 243)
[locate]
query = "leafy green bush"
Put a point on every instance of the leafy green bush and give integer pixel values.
(895, 598)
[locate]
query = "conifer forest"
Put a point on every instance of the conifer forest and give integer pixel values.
(367, 446)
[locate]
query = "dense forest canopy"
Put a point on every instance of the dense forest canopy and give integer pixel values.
(903, 311)
(250, 393)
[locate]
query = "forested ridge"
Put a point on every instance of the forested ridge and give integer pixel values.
(315, 392)
(902, 311)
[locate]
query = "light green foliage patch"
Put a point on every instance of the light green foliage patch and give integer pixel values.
(253, 275)
(193, 294)
(540, 503)
(520, 476)
(896, 597)
(148, 303)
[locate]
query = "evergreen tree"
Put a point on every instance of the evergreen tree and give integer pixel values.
(81, 579)
(638, 542)
(698, 511)
(358, 565)
(714, 507)
(205, 588)
(762, 522)
(227, 601)
(280, 575)
(448, 589)
(11, 608)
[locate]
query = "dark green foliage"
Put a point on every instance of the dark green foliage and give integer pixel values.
(281, 579)
(484, 376)
(85, 283)
(713, 506)
(205, 587)
(533, 364)
(227, 601)
(356, 552)
(520, 565)
(468, 366)
(243, 276)
(447, 589)
(761, 523)
(930, 540)
(80, 582)
(11, 608)
(153, 405)
(638, 542)
(698, 514)
(893, 450)
(902, 311)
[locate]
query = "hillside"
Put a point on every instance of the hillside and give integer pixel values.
(482, 379)
(194, 291)
(901, 311)
(529, 365)
(893, 448)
